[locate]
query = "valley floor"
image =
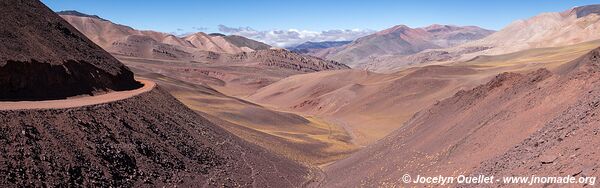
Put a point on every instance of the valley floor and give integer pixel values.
(306, 138)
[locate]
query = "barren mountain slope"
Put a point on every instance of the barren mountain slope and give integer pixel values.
(43, 57)
(550, 58)
(545, 30)
(576, 25)
(105, 33)
(205, 42)
(245, 42)
(124, 40)
(232, 64)
(492, 122)
(305, 139)
(237, 74)
(566, 144)
(366, 104)
(402, 40)
(354, 96)
(149, 139)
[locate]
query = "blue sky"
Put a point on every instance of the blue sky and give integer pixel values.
(186, 16)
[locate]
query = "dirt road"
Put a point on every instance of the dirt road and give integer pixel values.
(79, 101)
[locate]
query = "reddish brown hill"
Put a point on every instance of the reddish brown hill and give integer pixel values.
(510, 126)
(401, 40)
(567, 144)
(43, 57)
(284, 59)
(546, 30)
(149, 140)
(237, 74)
(367, 104)
(127, 41)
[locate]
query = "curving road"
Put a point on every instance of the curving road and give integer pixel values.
(79, 101)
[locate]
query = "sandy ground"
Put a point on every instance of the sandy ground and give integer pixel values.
(78, 101)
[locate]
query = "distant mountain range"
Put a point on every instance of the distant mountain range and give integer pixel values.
(553, 29)
(311, 47)
(403, 40)
(124, 40)
(576, 25)
(214, 59)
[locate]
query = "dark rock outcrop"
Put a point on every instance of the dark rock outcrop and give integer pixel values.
(43, 57)
(149, 140)
(76, 13)
(583, 11)
(281, 58)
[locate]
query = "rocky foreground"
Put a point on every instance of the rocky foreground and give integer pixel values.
(148, 140)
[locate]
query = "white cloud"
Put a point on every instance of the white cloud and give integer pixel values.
(290, 37)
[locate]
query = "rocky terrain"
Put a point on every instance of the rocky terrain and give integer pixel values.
(308, 139)
(50, 63)
(207, 88)
(576, 25)
(192, 77)
(565, 144)
(384, 102)
(79, 14)
(124, 40)
(368, 105)
(554, 29)
(527, 124)
(402, 40)
(237, 74)
(232, 64)
(227, 111)
(149, 139)
(243, 41)
(284, 59)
